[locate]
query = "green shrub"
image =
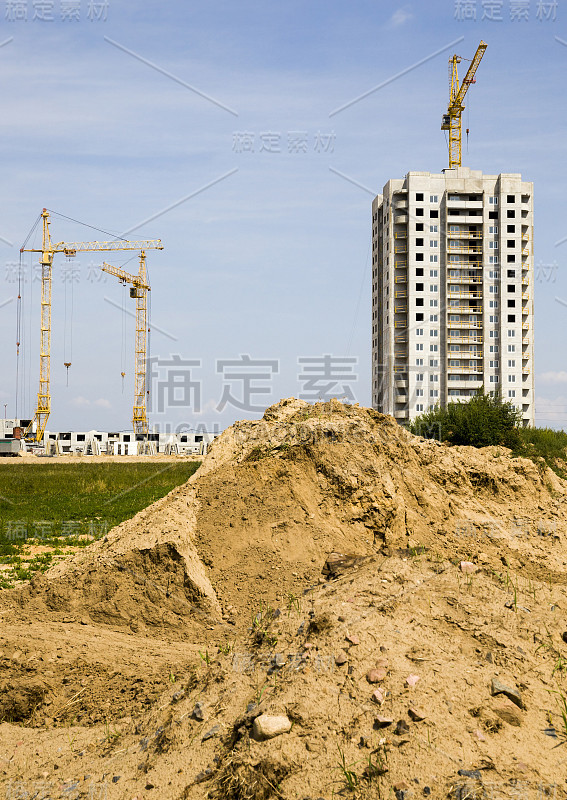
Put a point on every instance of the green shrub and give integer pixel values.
(482, 421)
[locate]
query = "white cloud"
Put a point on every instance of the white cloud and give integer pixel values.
(400, 17)
(553, 377)
(80, 401)
(102, 403)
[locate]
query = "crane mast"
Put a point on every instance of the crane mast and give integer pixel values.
(70, 249)
(452, 119)
(139, 290)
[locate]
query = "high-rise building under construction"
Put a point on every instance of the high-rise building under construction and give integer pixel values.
(452, 291)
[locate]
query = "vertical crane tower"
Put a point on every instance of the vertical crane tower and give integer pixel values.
(70, 249)
(139, 290)
(452, 119)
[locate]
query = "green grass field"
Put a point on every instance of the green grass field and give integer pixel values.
(63, 506)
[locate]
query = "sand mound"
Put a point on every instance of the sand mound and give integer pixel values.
(325, 565)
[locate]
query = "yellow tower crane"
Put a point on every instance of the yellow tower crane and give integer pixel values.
(139, 290)
(452, 119)
(70, 249)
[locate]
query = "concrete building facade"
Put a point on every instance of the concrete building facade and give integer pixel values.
(452, 291)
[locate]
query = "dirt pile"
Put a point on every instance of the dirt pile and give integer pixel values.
(401, 602)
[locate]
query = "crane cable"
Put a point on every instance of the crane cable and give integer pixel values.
(68, 356)
(123, 340)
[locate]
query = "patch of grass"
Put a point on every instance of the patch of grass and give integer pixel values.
(546, 444)
(71, 505)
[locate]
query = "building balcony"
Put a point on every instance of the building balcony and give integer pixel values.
(464, 234)
(465, 279)
(401, 324)
(400, 339)
(401, 219)
(401, 248)
(463, 247)
(466, 340)
(400, 263)
(401, 235)
(464, 293)
(400, 309)
(461, 263)
(400, 294)
(401, 279)
(464, 310)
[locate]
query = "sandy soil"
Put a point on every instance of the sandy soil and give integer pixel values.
(325, 565)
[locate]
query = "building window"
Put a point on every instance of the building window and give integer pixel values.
(494, 379)
(511, 198)
(493, 289)
(511, 318)
(433, 198)
(419, 256)
(494, 364)
(493, 318)
(419, 376)
(511, 348)
(511, 258)
(419, 301)
(434, 333)
(419, 407)
(419, 242)
(511, 362)
(433, 362)
(433, 348)
(419, 362)
(433, 229)
(434, 393)
(493, 259)
(419, 317)
(433, 303)
(419, 196)
(510, 229)
(493, 334)
(434, 213)
(493, 229)
(419, 392)
(510, 213)
(493, 245)
(493, 215)
(433, 318)
(493, 348)
(419, 346)
(433, 259)
(493, 201)
(511, 334)
(511, 393)
(433, 243)
(511, 379)
(510, 243)
(493, 303)
(419, 212)
(433, 274)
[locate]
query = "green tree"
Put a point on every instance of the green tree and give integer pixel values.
(484, 420)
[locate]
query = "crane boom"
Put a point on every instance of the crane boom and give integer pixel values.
(452, 119)
(139, 291)
(48, 250)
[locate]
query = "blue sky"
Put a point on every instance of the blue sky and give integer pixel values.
(267, 254)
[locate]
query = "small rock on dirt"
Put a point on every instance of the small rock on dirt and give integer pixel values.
(512, 694)
(412, 680)
(415, 714)
(382, 722)
(401, 728)
(267, 726)
(198, 712)
(378, 696)
(376, 675)
(467, 567)
(341, 658)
